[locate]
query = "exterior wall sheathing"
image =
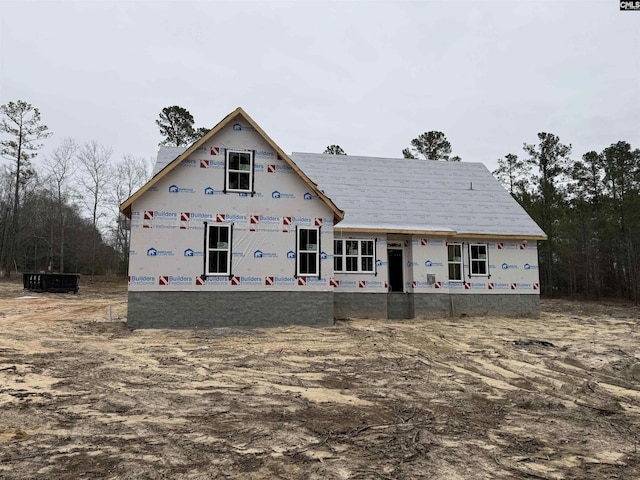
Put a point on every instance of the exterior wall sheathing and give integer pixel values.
(168, 223)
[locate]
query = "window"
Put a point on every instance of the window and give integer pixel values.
(308, 252)
(455, 261)
(239, 171)
(479, 259)
(338, 260)
(218, 250)
(354, 256)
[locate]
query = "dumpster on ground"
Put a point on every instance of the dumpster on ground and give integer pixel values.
(51, 282)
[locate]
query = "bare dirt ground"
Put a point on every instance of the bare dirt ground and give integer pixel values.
(475, 398)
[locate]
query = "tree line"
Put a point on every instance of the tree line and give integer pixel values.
(62, 215)
(590, 211)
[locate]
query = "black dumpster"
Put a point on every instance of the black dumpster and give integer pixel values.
(51, 282)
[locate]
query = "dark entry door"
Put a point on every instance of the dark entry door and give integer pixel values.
(396, 280)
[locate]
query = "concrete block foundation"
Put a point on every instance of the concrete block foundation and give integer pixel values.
(229, 309)
(432, 305)
(270, 309)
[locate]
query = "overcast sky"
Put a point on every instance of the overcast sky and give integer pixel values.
(369, 76)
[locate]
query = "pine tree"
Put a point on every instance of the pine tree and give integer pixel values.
(21, 122)
(431, 145)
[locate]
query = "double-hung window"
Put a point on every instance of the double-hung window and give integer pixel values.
(478, 259)
(354, 256)
(239, 171)
(454, 252)
(218, 249)
(308, 255)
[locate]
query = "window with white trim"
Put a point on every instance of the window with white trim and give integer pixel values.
(218, 250)
(454, 252)
(239, 171)
(308, 255)
(356, 256)
(478, 260)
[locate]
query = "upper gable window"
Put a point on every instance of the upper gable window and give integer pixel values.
(239, 171)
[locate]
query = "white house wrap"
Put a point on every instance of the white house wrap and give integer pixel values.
(232, 231)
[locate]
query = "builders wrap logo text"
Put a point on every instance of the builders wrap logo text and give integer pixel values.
(159, 214)
(142, 280)
(277, 195)
(154, 252)
(175, 280)
(176, 189)
(261, 254)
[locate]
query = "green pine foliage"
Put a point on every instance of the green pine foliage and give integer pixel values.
(432, 145)
(334, 150)
(176, 126)
(590, 210)
(22, 131)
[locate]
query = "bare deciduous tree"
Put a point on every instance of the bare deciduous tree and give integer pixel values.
(128, 175)
(94, 172)
(59, 168)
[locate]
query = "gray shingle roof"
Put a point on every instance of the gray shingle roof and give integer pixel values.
(409, 195)
(165, 155)
(417, 195)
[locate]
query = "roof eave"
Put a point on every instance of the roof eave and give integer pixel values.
(439, 233)
(507, 236)
(442, 233)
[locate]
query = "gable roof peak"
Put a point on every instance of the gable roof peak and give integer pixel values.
(125, 207)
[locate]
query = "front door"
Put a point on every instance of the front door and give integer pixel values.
(396, 267)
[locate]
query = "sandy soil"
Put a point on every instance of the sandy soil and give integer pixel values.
(473, 398)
